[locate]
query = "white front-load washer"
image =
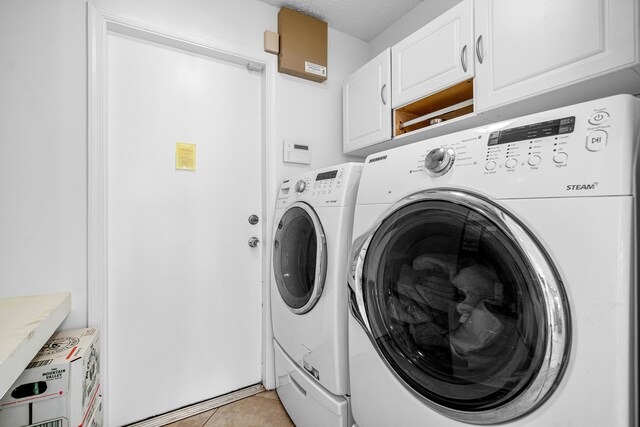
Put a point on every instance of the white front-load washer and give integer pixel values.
(309, 293)
(493, 275)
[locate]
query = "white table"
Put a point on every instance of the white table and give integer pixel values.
(26, 323)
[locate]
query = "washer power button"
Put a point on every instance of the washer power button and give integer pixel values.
(598, 117)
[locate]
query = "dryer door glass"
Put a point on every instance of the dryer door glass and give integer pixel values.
(455, 307)
(299, 258)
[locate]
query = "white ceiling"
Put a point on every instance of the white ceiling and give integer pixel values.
(363, 19)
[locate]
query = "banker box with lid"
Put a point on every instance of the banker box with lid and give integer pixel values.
(60, 385)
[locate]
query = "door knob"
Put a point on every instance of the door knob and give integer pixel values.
(253, 219)
(253, 242)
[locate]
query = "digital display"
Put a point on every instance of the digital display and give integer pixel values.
(326, 175)
(534, 131)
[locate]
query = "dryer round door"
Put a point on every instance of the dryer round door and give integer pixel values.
(300, 258)
(463, 305)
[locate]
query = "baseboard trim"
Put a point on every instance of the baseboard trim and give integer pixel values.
(207, 405)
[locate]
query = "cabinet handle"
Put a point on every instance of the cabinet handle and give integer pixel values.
(479, 49)
(384, 101)
(463, 58)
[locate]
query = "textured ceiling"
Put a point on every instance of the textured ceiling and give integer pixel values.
(363, 19)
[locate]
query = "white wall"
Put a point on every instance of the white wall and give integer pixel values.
(43, 168)
(416, 18)
(43, 131)
(311, 113)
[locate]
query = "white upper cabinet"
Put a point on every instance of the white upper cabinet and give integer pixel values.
(435, 57)
(525, 48)
(366, 104)
(488, 60)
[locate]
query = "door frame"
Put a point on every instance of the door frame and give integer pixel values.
(100, 24)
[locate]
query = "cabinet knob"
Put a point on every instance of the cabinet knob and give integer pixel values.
(253, 242)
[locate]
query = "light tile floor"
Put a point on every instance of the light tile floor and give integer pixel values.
(261, 410)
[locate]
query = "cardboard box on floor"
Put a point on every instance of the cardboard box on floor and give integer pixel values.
(303, 45)
(94, 416)
(59, 385)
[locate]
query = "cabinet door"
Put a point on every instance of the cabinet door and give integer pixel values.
(437, 56)
(525, 48)
(366, 107)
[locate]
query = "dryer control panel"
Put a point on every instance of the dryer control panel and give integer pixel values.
(325, 187)
(325, 183)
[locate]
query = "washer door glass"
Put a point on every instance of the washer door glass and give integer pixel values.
(299, 258)
(456, 308)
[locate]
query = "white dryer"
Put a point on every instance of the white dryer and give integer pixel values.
(493, 275)
(309, 294)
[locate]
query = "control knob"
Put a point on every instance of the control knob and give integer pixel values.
(300, 186)
(439, 160)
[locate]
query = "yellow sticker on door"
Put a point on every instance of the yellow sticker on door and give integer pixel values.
(185, 156)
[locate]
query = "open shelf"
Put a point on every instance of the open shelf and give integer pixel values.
(455, 101)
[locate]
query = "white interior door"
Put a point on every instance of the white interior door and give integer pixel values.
(184, 287)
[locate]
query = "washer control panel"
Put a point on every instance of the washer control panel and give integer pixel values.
(576, 151)
(323, 187)
(531, 147)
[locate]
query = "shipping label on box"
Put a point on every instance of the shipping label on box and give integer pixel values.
(59, 383)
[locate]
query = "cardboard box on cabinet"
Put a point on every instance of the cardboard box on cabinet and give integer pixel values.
(59, 386)
(303, 45)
